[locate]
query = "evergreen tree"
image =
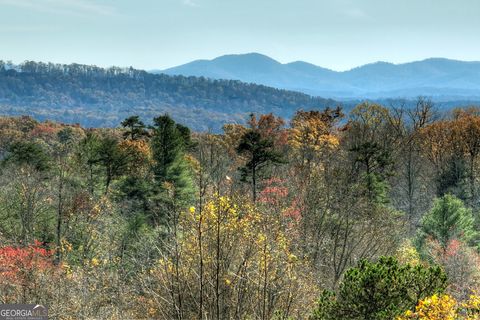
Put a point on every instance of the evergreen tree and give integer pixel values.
(113, 160)
(28, 153)
(380, 290)
(135, 128)
(89, 158)
(449, 219)
(169, 143)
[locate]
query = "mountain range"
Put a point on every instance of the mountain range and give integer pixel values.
(438, 78)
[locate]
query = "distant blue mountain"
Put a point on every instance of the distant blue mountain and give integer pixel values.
(441, 79)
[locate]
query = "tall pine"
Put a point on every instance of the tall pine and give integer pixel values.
(169, 145)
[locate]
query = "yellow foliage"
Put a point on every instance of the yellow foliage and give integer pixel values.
(436, 307)
(408, 254)
(311, 133)
(65, 245)
(471, 307)
(94, 262)
(254, 255)
(445, 307)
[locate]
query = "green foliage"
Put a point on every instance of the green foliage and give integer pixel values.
(88, 157)
(169, 143)
(65, 136)
(377, 188)
(380, 290)
(137, 197)
(371, 141)
(112, 158)
(134, 235)
(453, 178)
(97, 97)
(326, 307)
(135, 128)
(28, 153)
(448, 219)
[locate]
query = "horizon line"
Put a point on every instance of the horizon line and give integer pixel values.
(316, 65)
(245, 54)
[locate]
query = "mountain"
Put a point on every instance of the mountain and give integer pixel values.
(441, 79)
(94, 96)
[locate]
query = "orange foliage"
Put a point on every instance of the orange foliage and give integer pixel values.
(139, 152)
(270, 126)
(17, 262)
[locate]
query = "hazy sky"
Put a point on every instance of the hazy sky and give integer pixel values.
(147, 34)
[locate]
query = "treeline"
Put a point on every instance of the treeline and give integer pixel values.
(368, 215)
(97, 97)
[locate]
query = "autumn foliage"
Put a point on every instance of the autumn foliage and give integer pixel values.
(365, 215)
(17, 260)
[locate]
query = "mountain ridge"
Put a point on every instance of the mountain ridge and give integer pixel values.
(445, 78)
(99, 97)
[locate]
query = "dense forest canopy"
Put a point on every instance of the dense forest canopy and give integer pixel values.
(97, 97)
(371, 214)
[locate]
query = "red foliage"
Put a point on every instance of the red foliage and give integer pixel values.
(44, 130)
(16, 262)
(294, 211)
(453, 248)
(274, 193)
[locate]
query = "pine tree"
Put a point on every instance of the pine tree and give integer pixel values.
(135, 128)
(380, 290)
(169, 143)
(30, 154)
(449, 219)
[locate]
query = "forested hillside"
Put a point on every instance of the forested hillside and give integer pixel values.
(371, 214)
(96, 97)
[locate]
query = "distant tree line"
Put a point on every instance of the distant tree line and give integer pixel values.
(98, 97)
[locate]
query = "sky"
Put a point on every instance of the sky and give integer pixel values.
(157, 34)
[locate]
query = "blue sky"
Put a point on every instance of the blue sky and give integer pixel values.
(156, 34)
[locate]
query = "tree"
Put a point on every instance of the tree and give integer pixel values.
(113, 159)
(436, 307)
(30, 154)
(89, 158)
(380, 290)
(372, 142)
(135, 128)
(169, 143)
(20, 270)
(444, 307)
(259, 152)
(25, 188)
(412, 170)
(63, 171)
(312, 133)
(249, 268)
(466, 130)
(461, 264)
(449, 219)
(441, 146)
(25, 205)
(167, 146)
